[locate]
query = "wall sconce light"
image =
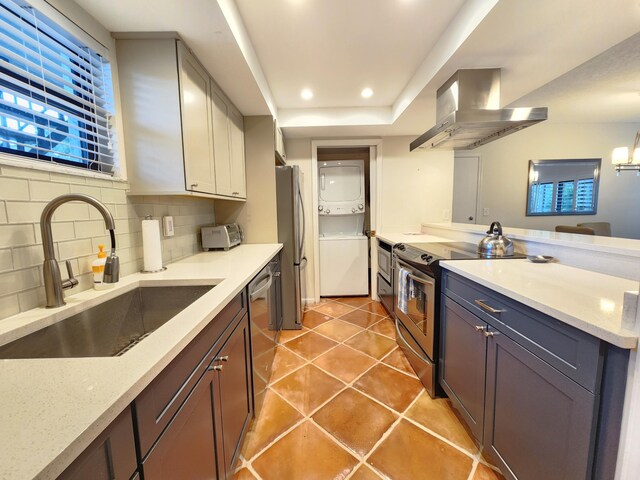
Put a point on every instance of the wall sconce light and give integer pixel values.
(625, 160)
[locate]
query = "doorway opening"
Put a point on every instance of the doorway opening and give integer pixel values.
(344, 196)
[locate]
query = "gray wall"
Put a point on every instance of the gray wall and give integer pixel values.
(505, 170)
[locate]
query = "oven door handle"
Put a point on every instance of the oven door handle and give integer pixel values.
(420, 280)
(399, 333)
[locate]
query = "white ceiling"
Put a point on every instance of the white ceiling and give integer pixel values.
(262, 53)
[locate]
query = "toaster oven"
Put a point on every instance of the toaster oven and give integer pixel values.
(221, 237)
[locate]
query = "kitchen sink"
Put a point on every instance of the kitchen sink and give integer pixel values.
(110, 328)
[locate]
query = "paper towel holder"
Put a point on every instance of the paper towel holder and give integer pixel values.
(149, 217)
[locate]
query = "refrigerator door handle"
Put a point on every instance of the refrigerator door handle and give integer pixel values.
(304, 226)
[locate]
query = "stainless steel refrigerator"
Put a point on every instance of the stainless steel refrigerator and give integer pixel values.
(291, 231)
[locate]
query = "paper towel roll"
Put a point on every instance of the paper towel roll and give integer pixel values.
(151, 245)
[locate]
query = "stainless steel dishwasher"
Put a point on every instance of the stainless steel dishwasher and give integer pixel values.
(265, 315)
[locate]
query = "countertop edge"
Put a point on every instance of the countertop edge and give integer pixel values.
(60, 460)
(621, 340)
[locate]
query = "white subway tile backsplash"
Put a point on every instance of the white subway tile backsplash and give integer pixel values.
(47, 190)
(24, 212)
(6, 260)
(78, 229)
(68, 178)
(31, 299)
(90, 228)
(112, 195)
(75, 248)
(94, 192)
(19, 280)
(72, 211)
(61, 231)
(31, 256)
(14, 189)
(13, 235)
(94, 214)
(30, 173)
(9, 306)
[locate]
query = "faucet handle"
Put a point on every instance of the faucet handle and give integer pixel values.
(111, 269)
(71, 281)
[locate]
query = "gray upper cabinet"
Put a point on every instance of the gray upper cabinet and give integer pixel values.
(228, 134)
(182, 134)
(197, 131)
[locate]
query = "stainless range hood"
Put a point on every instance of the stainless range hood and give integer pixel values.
(469, 114)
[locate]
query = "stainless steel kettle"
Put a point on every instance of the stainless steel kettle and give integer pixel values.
(495, 244)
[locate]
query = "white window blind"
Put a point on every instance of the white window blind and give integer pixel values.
(584, 195)
(56, 99)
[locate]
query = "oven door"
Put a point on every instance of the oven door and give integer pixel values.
(419, 317)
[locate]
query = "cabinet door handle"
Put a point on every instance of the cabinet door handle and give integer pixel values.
(490, 334)
(488, 308)
(235, 193)
(194, 185)
(225, 358)
(480, 328)
(217, 368)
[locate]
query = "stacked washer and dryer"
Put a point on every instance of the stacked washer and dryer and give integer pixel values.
(344, 248)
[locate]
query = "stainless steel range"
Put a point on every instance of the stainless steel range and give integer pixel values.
(417, 276)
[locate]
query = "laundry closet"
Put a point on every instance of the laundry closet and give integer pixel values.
(343, 221)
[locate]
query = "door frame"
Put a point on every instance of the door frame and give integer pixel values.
(375, 196)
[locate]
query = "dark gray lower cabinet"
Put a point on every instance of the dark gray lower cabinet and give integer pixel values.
(203, 438)
(186, 449)
(235, 396)
(543, 398)
(462, 358)
(538, 423)
(111, 456)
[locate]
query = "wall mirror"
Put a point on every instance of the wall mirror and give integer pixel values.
(563, 187)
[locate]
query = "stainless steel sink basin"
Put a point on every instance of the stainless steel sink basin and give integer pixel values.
(108, 329)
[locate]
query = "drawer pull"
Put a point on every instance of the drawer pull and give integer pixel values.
(490, 334)
(217, 368)
(222, 359)
(488, 308)
(480, 328)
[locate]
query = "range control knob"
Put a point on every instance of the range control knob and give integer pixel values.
(360, 206)
(401, 247)
(425, 257)
(353, 210)
(327, 211)
(320, 208)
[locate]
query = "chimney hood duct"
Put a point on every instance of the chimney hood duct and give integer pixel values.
(469, 114)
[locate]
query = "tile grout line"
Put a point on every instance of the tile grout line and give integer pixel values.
(362, 460)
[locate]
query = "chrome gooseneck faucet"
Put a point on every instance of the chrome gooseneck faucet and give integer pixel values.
(53, 283)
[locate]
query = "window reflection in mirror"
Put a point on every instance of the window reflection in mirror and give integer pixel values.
(563, 187)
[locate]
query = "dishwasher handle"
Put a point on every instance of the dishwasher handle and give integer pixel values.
(259, 291)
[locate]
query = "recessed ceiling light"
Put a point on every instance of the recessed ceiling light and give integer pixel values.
(366, 93)
(306, 94)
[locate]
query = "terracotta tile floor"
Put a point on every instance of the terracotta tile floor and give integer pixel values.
(344, 403)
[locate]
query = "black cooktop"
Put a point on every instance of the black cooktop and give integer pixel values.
(426, 256)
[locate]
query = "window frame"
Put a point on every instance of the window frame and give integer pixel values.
(90, 163)
(532, 180)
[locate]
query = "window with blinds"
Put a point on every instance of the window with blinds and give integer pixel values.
(56, 100)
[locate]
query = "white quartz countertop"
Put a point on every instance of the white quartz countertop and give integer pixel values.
(409, 237)
(52, 409)
(590, 301)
